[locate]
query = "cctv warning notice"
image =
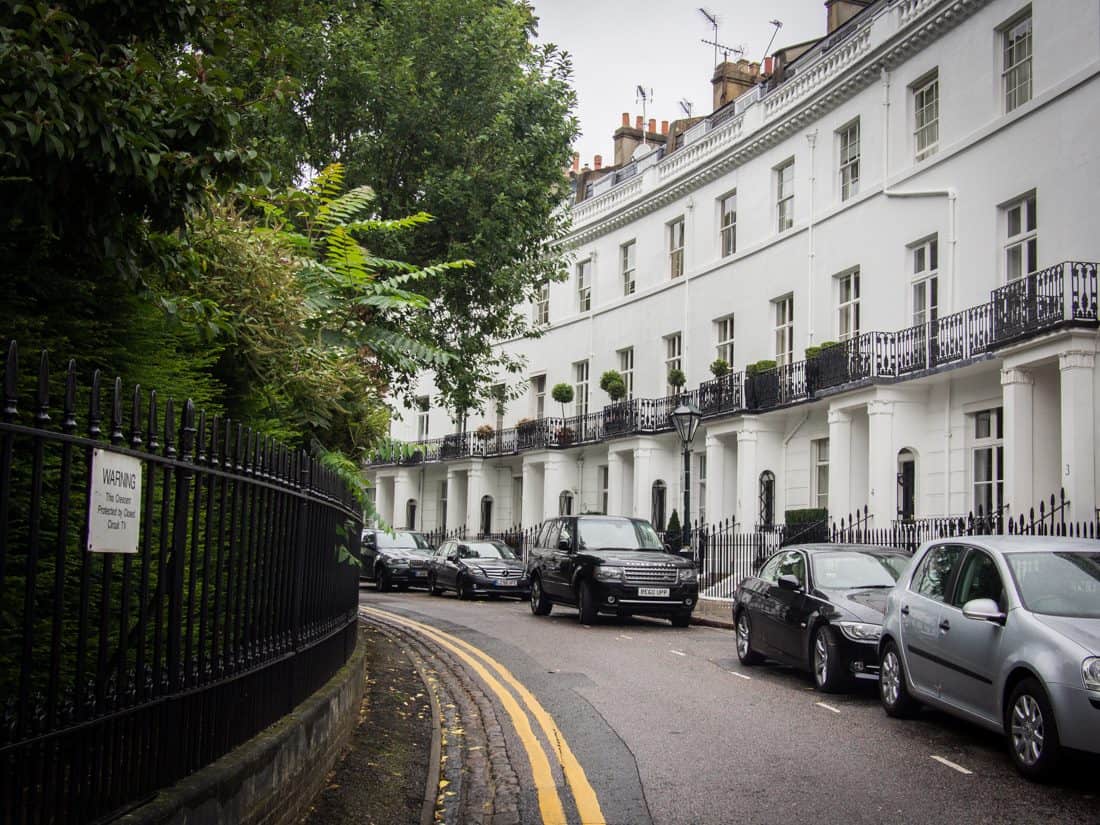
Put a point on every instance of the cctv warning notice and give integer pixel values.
(114, 512)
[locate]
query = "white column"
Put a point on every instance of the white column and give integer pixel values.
(553, 482)
(882, 463)
(1078, 469)
(1018, 389)
(716, 476)
(840, 464)
(404, 488)
(748, 481)
(614, 483)
(383, 501)
(475, 486)
(456, 499)
(532, 494)
(643, 482)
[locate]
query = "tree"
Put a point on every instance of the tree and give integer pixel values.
(676, 378)
(441, 106)
(719, 367)
(674, 531)
(613, 384)
(563, 394)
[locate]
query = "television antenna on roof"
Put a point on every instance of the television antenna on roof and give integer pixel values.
(643, 96)
(726, 50)
(778, 25)
(712, 19)
(685, 106)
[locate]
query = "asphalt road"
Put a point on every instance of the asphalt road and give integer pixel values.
(670, 728)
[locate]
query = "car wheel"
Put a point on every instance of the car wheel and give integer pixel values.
(586, 603)
(828, 669)
(1032, 731)
(433, 588)
(382, 580)
(680, 619)
(745, 654)
(465, 589)
(540, 604)
(892, 689)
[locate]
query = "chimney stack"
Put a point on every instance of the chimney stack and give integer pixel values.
(598, 162)
(664, 127)
(731, 80)
(638, 122)
(841, 11)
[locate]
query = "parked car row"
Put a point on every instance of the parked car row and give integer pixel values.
(1001, 631)
(598, 564)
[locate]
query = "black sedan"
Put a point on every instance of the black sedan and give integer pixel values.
(398, 559)
(472, 566)
(818, 608)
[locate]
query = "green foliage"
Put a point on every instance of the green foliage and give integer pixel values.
(812, 352)
(764, 365)
(441, 106)
(674, 532)
(563, 394)
(676, 378)
(613, 384)
(805, 515)
(719, 367)
(827, 344)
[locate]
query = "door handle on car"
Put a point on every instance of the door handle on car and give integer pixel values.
(945, 625)
(905, 610)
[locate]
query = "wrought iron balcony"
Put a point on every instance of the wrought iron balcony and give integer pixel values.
(1061, 296)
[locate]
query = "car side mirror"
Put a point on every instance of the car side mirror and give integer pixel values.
(563, 544)
(452, 557)
(789, 582)
(984, 610)
(371, 543)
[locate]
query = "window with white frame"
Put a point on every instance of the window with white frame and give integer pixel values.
(626, 370)
(584, 285)
(784, 195)
(603, 474)
(701, 487)
(849, 160)
(538, 393)
(987, 460)
(674, 350)
(580, 387)
(723, 329)
(676, 248)
(847, 305)
(819, 454)
(926, 116)
(1016, 65)
(926, 282)
(1021, 238)
(728, 224)
(422, 407)
(784, 330)
(542, 305)
(627, 257)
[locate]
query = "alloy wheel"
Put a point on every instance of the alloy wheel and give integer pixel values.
(890, 678)
(821, 659)
(742, 636)
(1027, 729)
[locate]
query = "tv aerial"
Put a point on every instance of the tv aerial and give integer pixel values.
(643, 96)
(685, 106)
(712, 19)
(726, 50)
(778, 25)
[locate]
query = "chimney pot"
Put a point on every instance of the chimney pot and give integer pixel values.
(638, 122)
(598, 161)
(664, 127)
(576, 161)
(653, 124)
(626, 118)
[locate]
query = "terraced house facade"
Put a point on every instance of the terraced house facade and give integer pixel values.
(918, 187)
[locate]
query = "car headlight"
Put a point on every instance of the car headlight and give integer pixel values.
(478, 571)
(1090, 672)
(399, 562)
(606, 573)
(860, 631)
(688, 574)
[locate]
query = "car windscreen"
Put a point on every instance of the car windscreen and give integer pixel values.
(402, 539)
(849, 569)
(1058, 584)
(616, 534)
(486, 550)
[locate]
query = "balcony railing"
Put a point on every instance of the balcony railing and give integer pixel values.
(1060, 296)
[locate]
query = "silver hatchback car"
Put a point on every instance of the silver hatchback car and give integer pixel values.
(1003, 631)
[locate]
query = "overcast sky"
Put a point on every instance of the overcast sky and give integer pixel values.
(618, 45)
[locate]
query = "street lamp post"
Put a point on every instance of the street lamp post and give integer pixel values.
(685, 418)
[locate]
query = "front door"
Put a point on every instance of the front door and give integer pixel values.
(907, 488)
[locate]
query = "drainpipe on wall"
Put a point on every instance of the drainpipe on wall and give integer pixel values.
(952, 233)
(684, 336)
(885, 78)
(811, 138)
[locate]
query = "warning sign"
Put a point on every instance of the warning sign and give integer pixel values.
(114, 511)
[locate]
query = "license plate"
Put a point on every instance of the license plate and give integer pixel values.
(420, 572)
(504, 582)
(653, 591)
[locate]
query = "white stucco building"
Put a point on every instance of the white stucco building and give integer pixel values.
(919, 185)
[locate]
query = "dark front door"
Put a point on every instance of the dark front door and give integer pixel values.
(907, 488)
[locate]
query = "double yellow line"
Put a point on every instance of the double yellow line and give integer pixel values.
(550, 806)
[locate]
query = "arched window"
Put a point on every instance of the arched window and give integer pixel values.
(659, 505)
(410, 514)
(767, 499)
(486, 514)
(565, 503)
(907, 484)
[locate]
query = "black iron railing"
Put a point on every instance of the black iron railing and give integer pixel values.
(1062, 295)
(121, 674)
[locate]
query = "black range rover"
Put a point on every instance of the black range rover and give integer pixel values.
(609, 564)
